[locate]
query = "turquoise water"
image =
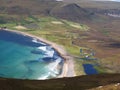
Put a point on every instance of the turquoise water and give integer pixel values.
(25, 57)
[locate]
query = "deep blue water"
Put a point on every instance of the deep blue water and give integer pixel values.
(25, 57)
(89, 69)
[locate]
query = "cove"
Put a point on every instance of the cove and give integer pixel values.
(25, 57)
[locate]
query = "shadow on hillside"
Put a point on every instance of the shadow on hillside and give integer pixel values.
(75, 83)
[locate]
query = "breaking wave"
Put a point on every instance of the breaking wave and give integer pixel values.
(37, 41)
(53, 70)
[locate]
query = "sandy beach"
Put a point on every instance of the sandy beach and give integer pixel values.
(68, 66)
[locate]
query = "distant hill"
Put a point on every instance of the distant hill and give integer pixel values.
(45, 7)
(27, 6)
(72, 12)
(95, 4)
(79, 11)
(75, 10)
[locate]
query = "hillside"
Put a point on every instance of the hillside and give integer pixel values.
(45, 8)
(109, 8)
(76, 83)
(72, 12)
(95, 4)
(75, 10)
(27, 6)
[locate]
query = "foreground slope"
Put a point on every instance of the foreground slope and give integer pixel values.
(76, 83)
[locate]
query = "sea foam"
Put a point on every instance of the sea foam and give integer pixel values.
(53, 70)
(42, 48)
(36, 41)
(53, 67)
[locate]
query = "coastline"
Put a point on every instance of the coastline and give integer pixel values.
(68, 66)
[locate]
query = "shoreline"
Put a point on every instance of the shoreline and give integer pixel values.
(68, 66)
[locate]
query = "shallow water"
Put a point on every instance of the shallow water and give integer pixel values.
(89, 69)
(27, 58)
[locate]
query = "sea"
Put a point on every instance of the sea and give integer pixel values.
(25, 57)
